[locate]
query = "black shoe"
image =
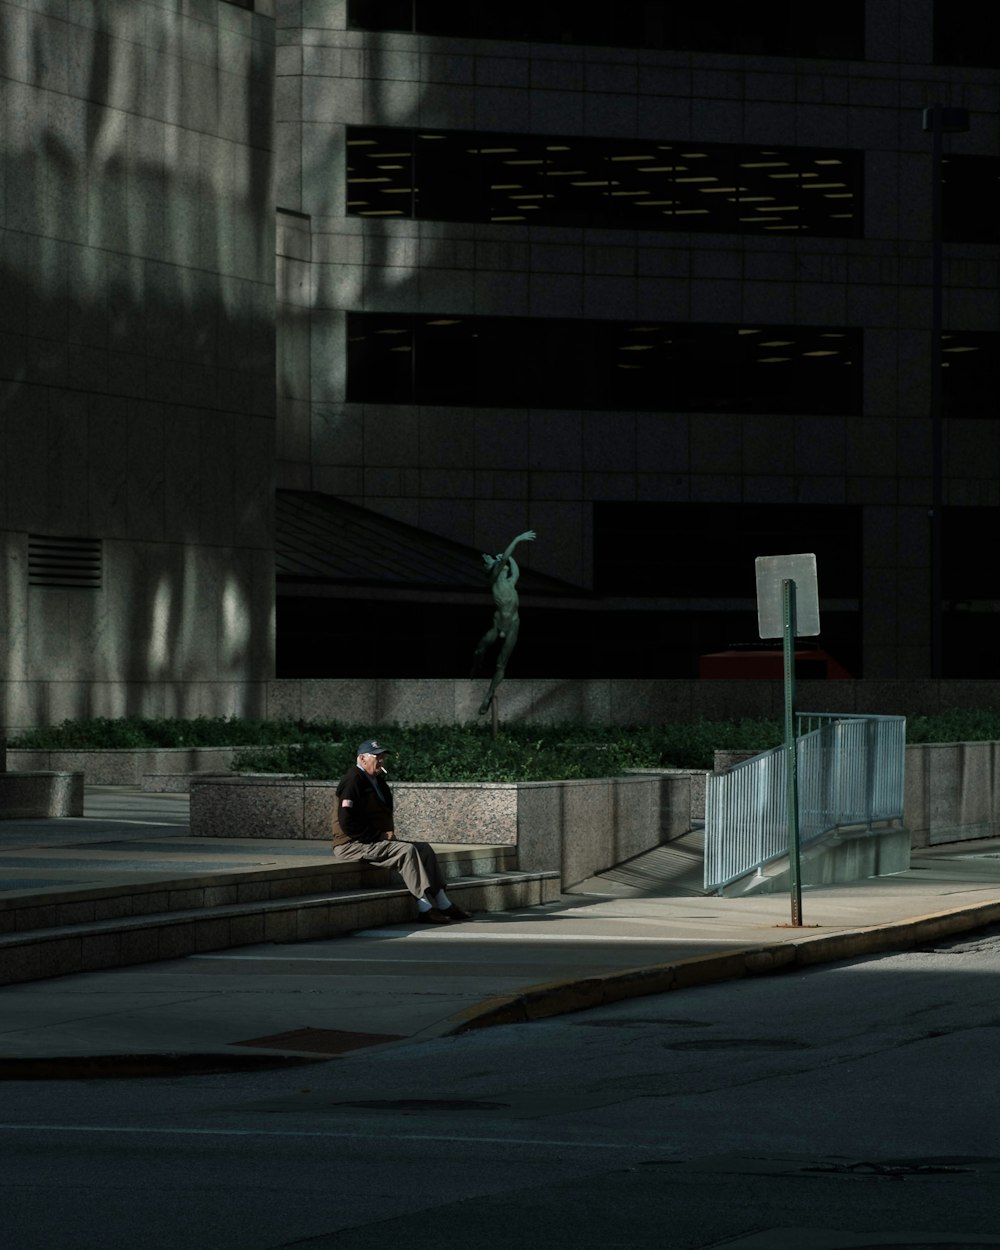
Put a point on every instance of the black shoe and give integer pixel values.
(433, 917)
(455, 913)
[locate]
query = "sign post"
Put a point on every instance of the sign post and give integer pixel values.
(788, 606)
(791, 761)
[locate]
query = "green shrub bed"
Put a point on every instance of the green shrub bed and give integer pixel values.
(423, 752)
(517, 753)
(133, 732)
(466, 752)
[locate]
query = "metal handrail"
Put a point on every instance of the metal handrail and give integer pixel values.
(850, 773)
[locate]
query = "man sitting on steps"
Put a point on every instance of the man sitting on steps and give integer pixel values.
(364, 830)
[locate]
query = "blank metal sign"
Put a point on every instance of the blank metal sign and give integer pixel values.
(772, 571)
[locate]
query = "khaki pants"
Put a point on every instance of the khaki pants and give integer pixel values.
(415, 862)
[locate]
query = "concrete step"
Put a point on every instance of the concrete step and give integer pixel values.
(79, 930)
(137, 887)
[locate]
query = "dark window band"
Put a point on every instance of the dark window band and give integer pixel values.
(970, 373)
(628, 184)
(966, 32)
(780, 28)
(554, 363)
(707, 551)
(970, 199)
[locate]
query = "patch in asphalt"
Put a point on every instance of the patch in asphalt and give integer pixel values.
(320, 1041)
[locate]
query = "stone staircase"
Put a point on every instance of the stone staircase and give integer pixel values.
(141, 918)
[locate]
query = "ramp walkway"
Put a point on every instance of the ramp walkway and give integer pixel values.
(263, 980)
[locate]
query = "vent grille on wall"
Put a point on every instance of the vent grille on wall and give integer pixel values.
(64, 562)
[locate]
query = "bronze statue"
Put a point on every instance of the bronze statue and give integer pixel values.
(503, 574)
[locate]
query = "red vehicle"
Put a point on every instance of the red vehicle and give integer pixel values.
(767, 663)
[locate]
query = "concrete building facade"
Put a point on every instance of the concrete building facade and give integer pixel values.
(136, 358)
(658, 286)
(453, 176)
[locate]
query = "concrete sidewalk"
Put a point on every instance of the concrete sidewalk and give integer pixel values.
(630, 932)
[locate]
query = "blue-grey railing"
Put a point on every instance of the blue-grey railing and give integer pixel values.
(850, 773)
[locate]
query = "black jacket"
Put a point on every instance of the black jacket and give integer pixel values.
(364, 814)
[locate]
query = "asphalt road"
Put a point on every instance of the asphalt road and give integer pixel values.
(851, 1105)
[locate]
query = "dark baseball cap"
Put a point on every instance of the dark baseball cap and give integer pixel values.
(371, 747)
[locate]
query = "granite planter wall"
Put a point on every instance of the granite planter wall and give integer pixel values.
(952, 792)
(577, 828)
(124, 767)
(40, 795)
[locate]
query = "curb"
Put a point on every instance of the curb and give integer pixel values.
(556, 998)
(551, 998)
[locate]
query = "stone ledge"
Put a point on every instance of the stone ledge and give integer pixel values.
(40, 795)
(171, 783)
(124, 766)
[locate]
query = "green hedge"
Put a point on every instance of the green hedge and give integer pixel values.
(467, 752)
(976, 725)
(105, 733)
(517, 753)
(423, 752)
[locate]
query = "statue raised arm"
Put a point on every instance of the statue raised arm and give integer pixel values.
(503, 574)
